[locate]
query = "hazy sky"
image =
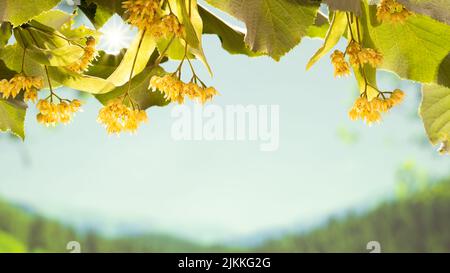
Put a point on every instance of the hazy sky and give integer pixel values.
(217, 190)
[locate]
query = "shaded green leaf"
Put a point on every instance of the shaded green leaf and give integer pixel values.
(273, 26)
(436, 9)
(345, 5)
(105, 64)
(99, 12)
(5, 33)
(139, 90)
(232, 39)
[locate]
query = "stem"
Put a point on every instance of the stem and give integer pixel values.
(49, 83)
(358, 31)
(349, 25)
(46, 71)
(134, 61)
(158, 61)
(190, 9)
(23, 60)
(57, 35)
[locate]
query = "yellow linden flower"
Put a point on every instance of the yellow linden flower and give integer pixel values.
(51, 113)
(143, 13)
(353, 50)
(370, 111)
(176, 90)
(75, 106)
(21, 82)
(192, 90)
(359, 55)
(172, 25)
(5, 89)
(397, 96)
(371, 56)
(30, 95)
(392, 11)
(90, 54)
(148, 15)
(117, 117)
(208, 94)
(341, 67)
(172, 87)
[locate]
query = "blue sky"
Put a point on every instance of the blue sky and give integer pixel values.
(212, 191)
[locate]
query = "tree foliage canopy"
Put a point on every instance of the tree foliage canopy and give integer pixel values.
(42, 49)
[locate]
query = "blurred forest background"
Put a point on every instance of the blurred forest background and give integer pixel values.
(415, 220)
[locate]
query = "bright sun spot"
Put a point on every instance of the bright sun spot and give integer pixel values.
(116, 35)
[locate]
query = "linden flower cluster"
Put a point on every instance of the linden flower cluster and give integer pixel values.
(117, 117)
(90, 54)
(175, 90)
(148, 15)
(357, 56)
(370, 111)
(392, 11)
(20, 82)
(51, 113)
(360, 56)
(341, 67)
(168, 24)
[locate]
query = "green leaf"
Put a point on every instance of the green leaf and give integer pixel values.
(139, 91)
(105, 64)
(54, 18)
(62, 56)
(5, 33)
(345, 5)
(12, 57)
(99, 13)
(335, 32)
(111, 6)
(435, 113)
(436, 9)
(416, 49)
(12, 117)
(5, 72)
(273, 26)
(39, 35)
(232, 39)
(18, 12)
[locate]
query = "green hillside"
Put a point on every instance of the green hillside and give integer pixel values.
(419, 222)
(21, 231)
